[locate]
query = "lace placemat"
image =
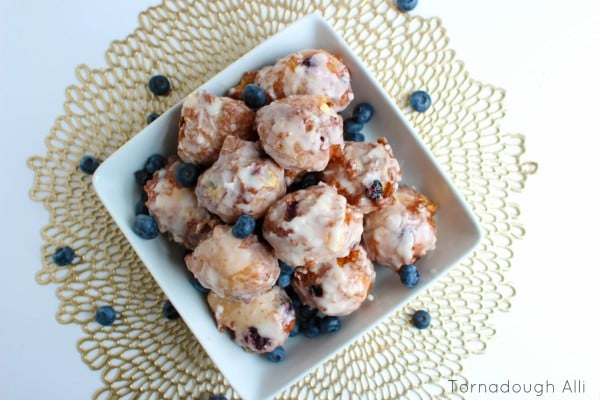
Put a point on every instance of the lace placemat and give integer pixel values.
(146, 356)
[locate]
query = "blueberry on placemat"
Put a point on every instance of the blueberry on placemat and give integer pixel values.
(169, 311)
(145, 226)
(159, 85)
(106, 315)
(409, 275)
(154, 163)
(254, 96)
(151, 117)
(420, 101)
(63, 256)
(244, 226)
(186, 174)
(351, 126)
(421, 319)
(363, 113)
(354, 137)
(88, 164)
(277, 355)
(406, 5)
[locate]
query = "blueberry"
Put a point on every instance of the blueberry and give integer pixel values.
(254, 96)
(306, 312)
(217, 397)
(244, 226)
(140, 207)
(291, 210)
(258, 226)
(363, 113)
(63, 256)
(311, 329)
(88, 164)
(106, 315)
(351, 126)
(308, 62)
(151, 117)
(284, 280)
(296, 330)
(406, 5)
(254, 339)
(354, 137)
(420, 101)
(285, 268)
(421, 319)
(330, 324)
(186, 175)
(296, 303)
(375, 191)
(198, 286)
(316, 290)
(309, 179)
(145, 226)
(169, 311)
(159, 85)
(277, 355)
(154, 163)
(142, 176)
(409, 275)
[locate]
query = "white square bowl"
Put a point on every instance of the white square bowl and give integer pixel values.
(250, 375)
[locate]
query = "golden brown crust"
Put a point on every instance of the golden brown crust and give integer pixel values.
(206, 120)
(353, 171)
(259, 325)
(336, 287)
(403, 232)
(307, 72)
(300, 132)
(241, 181)
(239, 269)
(176, 208)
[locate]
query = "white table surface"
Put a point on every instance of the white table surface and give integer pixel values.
(545, 53)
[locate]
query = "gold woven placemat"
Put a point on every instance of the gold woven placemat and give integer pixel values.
(148, 357)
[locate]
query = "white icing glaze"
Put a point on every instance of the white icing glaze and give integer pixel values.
(338, 286)
(299, 132)
(401, 233)
(321, 74)
(322, 227)
(271, 314)
(206, 120)
(236, 268)
(240, 182)
(355, 169)
(176, 208)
